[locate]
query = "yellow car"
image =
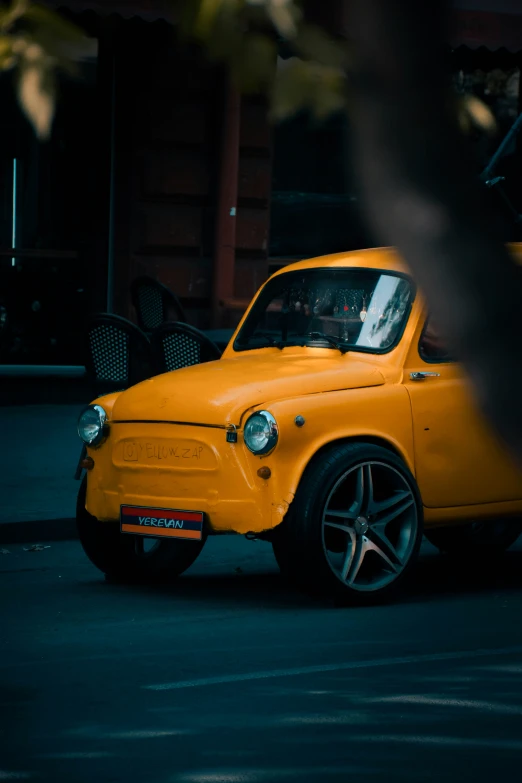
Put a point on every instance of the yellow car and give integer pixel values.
(335, 425)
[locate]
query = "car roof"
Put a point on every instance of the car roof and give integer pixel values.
(372, 258)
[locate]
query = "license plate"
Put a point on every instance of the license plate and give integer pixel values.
(161, 522)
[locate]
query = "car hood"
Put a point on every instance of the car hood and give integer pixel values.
(218, 393)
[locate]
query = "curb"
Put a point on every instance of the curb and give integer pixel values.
(38, 530)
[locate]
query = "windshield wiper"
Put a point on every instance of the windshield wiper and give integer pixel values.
(271, 341)
(303, 341)
(339, 344)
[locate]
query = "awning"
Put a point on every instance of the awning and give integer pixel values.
(482, 28)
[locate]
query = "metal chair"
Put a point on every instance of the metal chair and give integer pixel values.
(178, 345)
(154, 304)
(117, 353)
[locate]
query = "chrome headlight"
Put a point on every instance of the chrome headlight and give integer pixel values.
(92, 425)
(261, 433)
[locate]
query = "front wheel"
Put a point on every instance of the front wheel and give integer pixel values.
(355, 527)
(124, 557)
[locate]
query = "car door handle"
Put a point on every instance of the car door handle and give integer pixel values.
(421, 376)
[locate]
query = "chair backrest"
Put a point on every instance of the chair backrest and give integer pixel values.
(117, 353)
(154, 303)
(178, 345)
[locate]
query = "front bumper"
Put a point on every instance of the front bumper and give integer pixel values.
(182, 467)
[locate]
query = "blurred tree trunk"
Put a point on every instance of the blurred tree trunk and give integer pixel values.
(422, 195)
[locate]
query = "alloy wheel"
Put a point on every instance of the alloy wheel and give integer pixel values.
(369, 526)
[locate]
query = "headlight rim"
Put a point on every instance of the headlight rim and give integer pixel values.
(104, 428)
(274, 433)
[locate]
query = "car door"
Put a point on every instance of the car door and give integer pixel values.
(458, 460)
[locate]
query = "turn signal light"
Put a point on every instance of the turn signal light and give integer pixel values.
(264, 473)
(87, 463)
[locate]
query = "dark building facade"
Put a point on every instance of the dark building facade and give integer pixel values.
(156, 166)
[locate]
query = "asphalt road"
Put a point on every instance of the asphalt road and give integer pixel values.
(229, 676)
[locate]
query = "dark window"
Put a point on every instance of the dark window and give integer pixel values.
(432, 347)
(49, 202)
(314, 206)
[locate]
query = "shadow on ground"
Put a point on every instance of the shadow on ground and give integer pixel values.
(435, 577)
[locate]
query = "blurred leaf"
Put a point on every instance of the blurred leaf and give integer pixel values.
(478, 114)
(255, 66)
(233, 32)
(291, 88)
(208, 12)
(307, 85)
(227, 39)
(54, 24)
(43, 43)
(58, 37)
(8, 16)
(6, 53)
(65, 55)
(284, 15)
(314, 43)
(37, 89)
(329, 96)
(205, 18)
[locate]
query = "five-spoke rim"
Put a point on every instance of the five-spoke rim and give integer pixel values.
(369, 526)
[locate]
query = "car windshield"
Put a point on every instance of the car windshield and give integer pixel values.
(345, 309)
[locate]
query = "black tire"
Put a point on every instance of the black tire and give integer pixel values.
(476, 540)
(117, 555)
(299, 543)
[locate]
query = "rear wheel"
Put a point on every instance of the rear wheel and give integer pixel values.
(479, 539)
(355, 527)
(124, 557)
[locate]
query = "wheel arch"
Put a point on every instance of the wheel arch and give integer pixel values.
(369, 439)
(372, 440)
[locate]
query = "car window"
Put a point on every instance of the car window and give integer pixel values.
(359, 309)
(432, 347)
